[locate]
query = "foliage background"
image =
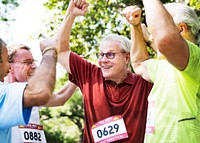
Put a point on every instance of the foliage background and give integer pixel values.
(64, 124)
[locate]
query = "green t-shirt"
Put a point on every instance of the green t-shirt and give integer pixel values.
(174, 101)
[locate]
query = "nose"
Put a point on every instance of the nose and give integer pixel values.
(8, 66)
(104, 58)
(103, 61)
(33, 65)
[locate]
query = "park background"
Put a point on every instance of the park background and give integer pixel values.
(30, 21)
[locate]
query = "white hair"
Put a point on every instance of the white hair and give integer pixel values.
(183, 13)
(125, 43)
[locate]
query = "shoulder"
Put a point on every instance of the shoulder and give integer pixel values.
(12, 94)
(193, 66)
(133, 78)
(12, 90)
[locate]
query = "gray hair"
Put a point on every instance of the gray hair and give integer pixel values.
(183, 13)
(12, 50)
(124, 42)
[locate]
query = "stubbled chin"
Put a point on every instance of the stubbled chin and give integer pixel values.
(106, 76)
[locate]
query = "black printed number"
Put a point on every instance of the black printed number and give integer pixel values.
(32, 136)
(108, 130)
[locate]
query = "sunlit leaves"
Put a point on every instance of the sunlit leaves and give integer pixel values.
(6, 6)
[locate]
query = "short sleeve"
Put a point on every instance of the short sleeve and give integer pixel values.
(152, 68)
(193, 66)
(12, 112)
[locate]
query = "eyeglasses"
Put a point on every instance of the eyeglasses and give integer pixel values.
(109, 55)
(26, 62)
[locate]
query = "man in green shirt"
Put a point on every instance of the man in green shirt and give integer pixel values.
(174, 101)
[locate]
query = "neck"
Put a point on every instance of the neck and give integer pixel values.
(121, 79)
(190, 37)
(9, 78)
(193, 39)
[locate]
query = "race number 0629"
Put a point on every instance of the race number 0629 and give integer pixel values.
(108, 130)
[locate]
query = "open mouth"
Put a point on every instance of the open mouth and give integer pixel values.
(106, 67)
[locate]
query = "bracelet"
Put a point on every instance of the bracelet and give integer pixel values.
(50, 48)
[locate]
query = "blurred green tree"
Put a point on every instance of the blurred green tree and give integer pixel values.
(6, 6)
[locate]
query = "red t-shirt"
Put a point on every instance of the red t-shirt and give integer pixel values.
(103, 99)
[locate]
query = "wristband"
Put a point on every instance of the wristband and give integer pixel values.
(50, 48)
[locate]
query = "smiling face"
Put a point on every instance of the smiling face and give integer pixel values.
(22, 66)
(114, 69)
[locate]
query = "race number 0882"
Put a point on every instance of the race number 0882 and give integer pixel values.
(32, 136)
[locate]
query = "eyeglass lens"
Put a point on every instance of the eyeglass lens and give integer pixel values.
(108, 55)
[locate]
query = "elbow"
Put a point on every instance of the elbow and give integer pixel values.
(61, 99)
(36, 98)
(63, 42)
(63, 45)
(136, 68)
(62, 102)
(162, 44)
(43, 97)
(164, 40)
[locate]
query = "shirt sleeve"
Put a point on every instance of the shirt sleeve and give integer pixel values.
(12, 112)
(152, 68)
(81, 70)
(193, 67)
(155, 66)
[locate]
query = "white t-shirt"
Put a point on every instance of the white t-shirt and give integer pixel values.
(12, 112)
(35, 118)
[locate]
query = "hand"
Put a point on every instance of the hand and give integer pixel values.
(48, 42)
(78, 7)
(132, 14)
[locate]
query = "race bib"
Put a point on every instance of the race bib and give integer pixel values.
(32, 133)
(109, 130)
(150, 125)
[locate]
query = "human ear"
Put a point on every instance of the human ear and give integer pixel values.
(182, 28)
(128, 58)
(11, 69)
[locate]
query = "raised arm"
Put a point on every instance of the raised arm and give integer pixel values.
(41, 84)
(166, 35)
(139, 53)
(75, 8)
(62, 95)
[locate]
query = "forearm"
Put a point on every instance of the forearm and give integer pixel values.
(61, 96)
(47, 69)
(63, 35)
(139, 51)
(75, 8)
(41, 84)
(166, 35)
(159, 21)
